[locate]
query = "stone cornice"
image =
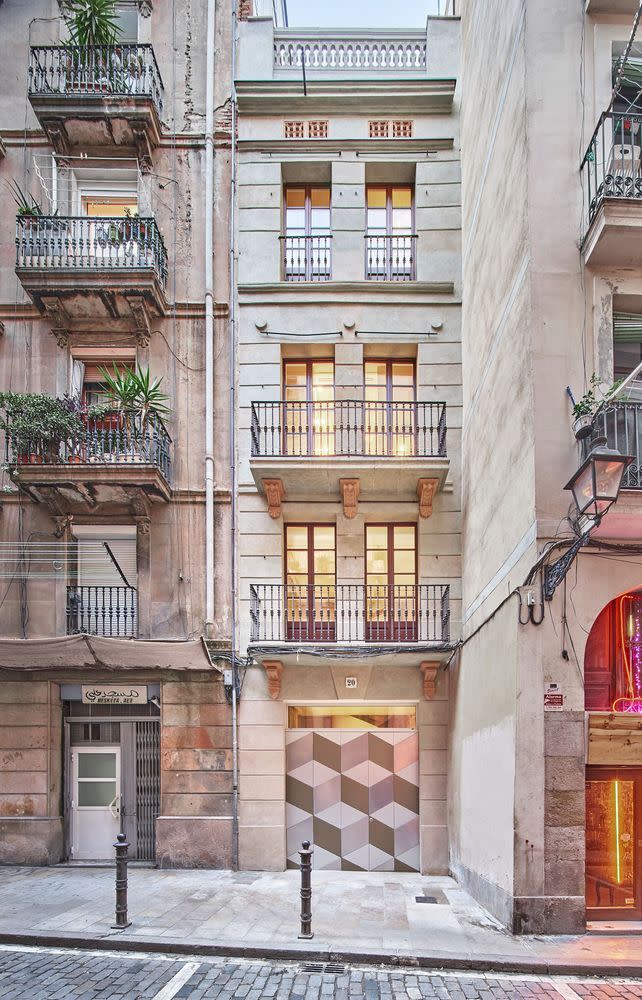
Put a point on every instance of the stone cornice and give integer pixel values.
(393, 147)
(377, 96)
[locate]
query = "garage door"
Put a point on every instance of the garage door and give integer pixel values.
(352, 787)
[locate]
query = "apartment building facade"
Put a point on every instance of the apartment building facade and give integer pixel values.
(115, 544)
(348, 423)
(545, 733)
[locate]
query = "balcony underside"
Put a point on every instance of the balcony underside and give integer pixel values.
(380, 478)
(614, 238)
(90, 488)
(611, 6)
(378, 654)
(96, 121)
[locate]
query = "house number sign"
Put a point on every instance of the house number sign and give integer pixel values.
(114, 694)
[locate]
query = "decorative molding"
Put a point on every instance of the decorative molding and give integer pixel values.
(56, 315)
(429, 670)
(426, 489)
(350, 490)
(273, 669)
(143, 147)
(275, 494)
(141, 318)
(145, 8)
(62, 524)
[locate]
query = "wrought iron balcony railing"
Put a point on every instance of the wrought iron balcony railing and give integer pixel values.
(612, 164)
(108, 611)
(344, 427)
(96, 70)
(350, 613)
(81, 243)
(391, 258)
(621, 425)
(307, 258)
(114, 439)
(330, 51)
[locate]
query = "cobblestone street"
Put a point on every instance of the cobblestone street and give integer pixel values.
(57, 974)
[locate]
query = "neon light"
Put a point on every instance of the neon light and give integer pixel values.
(630, 643)
(617, 831)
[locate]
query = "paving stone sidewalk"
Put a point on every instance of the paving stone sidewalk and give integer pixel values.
(356, 916)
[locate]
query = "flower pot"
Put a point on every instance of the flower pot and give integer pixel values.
(27, 458)
(75, 460)
(583, 426)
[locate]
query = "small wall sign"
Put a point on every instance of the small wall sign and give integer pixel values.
(553, 698)
(114, 694)
(351, 683)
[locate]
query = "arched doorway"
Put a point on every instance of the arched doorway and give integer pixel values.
(613, 701)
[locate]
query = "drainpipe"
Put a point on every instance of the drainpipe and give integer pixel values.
(232, 331)
(209, 318)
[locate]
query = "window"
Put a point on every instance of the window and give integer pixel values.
(309, 418)
(352, 717)
(390, 241)
(391, 583)
(106, 206)
(307, 233)
(390, 420)
(627, 344)
(101, 594)
(127, 21)
(310, 582)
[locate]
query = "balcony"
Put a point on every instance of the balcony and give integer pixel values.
(114, 462)
(307, 258)
(391, 258)
(612, 183)
(77, 269)
(347, 52)
(611, 6)
(346, 619)
(310, 446)
(101, 96)
(106, 611)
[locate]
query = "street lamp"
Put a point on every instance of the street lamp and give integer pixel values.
(595, 487)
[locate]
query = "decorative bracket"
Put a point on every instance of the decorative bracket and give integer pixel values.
(426, 489)
(1, 328)
(141, 319)
(275, 495)
(62, 524)
(555, 572)
(429, 670)
(273, 669)
(350, 490)
(143, 148)
(145, 7)
(57, 317)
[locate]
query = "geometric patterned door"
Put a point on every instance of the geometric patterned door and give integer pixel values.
(355, 796)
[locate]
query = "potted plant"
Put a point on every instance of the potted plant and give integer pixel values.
(138, 396)
(37, 424)
(93, 26)
(587, 408)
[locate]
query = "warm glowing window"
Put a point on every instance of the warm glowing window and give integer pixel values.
(307, 210)
(309, 419)
(99, 206)
(613, 658)
(352, 717)
(391, 577)
(310, 579)
(389, 388)
(389, 209)
(610, 843)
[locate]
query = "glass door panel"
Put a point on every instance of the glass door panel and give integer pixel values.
(391, 592)
(389, 424)
(95, 802)
(309, 420)
(610, 848)
(310, 562)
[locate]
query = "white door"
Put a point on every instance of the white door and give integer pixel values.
(95, 802)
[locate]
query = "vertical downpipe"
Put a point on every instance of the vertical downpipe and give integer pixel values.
(235, 676)
(209, 318)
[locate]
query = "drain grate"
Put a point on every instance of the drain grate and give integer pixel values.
(332, 968)
(425, 899)
(435, 897)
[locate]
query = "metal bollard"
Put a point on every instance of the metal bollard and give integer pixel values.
(122, 847)
(306, 890)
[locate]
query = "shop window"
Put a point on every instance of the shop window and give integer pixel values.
(613, 658)
(352, 717)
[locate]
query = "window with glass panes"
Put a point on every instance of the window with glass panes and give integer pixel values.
(389, 232)
(309, 419)
(391, 582)
(389, 425)
(306, 255)
(310, 581)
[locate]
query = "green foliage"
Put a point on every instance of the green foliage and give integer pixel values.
(135, 392)
(595, 398)
(27, 204)
(91, 22)
(37, 423)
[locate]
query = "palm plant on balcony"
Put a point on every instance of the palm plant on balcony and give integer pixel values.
(36, 424)
(91, 22)
(137, 396)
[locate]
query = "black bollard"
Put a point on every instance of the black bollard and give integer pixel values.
(122, 847)
(306, 890)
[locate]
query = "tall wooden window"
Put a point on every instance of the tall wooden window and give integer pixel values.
(310, 582)
(390, 425)
(306, 243)
(391, 582)
(390, 240)
(309, 419)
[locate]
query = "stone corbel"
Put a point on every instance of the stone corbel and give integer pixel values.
(426, 489)
(273, 669)
(141, 319)
(350, 490)
(62, 525)
(143, 149)
(56, 316)
(145, 7)
(275, 495)
(429, 670)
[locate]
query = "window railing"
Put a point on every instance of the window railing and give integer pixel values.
(390, 258)
(350, 613)
(81, 243)
(612, 164)
(348, 427)
(336, 52)
(114, 439)
(96, 70)
(307, 258)
(621, 424)
(108, 611)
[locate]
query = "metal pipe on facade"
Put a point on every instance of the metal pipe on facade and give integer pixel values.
(209, 315)
(232, 332)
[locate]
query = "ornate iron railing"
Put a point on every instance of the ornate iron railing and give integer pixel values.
(109, 611)
(612, 164)
(391, 258)
(402, 52)
(348, 427)
(350, 613)
(621, 424)
(96, 70)
(114, 439)
(81, 243)
(307, 258)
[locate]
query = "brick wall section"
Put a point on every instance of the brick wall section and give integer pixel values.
(245, 10)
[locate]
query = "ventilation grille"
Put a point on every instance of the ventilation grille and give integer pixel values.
(94, 732)
(315, 129)
(396, 128)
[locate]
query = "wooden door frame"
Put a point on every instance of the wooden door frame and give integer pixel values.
(601, 772)
(390, 624)
(389, 402)
(311, 627)
(309, 405)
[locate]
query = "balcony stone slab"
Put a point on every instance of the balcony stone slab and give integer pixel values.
(309, 655)
(128, 487)
(611, 6)
(614, 238)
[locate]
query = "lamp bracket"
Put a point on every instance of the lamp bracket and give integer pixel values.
(555, 572)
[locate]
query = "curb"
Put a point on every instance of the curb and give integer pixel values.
(482, 963)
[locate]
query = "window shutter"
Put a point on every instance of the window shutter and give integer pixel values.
(627, 327)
